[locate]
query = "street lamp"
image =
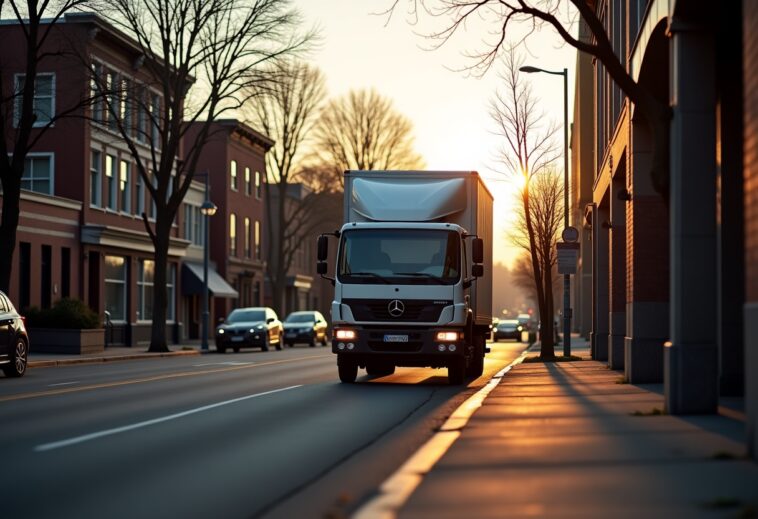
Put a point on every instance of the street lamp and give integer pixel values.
(208, 209)
(566, 277)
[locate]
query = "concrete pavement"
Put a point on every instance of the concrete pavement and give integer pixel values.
(571, 439)
(111, 354)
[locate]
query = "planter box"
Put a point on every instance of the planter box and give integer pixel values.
(52, 340)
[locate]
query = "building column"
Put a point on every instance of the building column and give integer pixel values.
(691, 358)
(617, 272)
(599, 335)
(647, 308)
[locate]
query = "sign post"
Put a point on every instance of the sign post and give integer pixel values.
(568, 253)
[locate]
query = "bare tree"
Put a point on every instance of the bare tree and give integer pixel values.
(218, 49)
(362, 130)
(23, 121)
(513, 21)
(527, 153)
(546, 208)
(286, 111)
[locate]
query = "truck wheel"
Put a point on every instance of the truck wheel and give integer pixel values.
(348, 370)
(456, 371)
(476, 366)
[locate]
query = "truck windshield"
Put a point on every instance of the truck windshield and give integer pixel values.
(400, 256)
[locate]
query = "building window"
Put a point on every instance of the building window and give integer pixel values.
(95, 179)
(155, 117)
(125, 187)
(171, 292)
(248, 183)
(125, 106)
(38, 174)
(257, 240)
(140, 195)
(145, 278)
(193, 224)
(233, 175)
(65, 272)
(110, 181)
(98, 107)
(258, 185)
(115, 287)
(114, 99)
(232, 234)
(142, 111)
(247, 237)
(154, 182)
(43, 103)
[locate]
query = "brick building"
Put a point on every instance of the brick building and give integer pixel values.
(234, 160)
(82, 199)
(670, 276)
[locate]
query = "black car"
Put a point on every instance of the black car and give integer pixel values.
(508, 329)
(256, 327)
(307, 326)
(14, 342)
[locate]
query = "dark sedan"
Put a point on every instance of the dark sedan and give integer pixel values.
(508, 329)
(257, 327)
(307, 326)
(14, 342)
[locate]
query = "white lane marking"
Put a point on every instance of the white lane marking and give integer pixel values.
(63, 383)
(230, 363)
(108, 432)
(396, 489)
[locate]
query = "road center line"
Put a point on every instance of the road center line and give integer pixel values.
(63, 384)
(109, 432)
(168, 376)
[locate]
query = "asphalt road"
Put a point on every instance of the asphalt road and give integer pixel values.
(238, 435)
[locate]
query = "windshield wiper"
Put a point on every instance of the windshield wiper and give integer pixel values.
(422, 275)
(372, 274)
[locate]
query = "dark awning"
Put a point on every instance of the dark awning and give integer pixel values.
(192, 282)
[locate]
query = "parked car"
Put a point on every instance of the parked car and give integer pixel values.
(306, 326)
(256, 327)
(508, 329)
(14, 342)
(525, 320)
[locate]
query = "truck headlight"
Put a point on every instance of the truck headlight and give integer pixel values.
(345, 335)
(447, 336)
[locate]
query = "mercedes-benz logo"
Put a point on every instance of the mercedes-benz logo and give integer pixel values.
(396, 308)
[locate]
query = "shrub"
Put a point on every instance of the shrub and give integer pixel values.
(66, 313)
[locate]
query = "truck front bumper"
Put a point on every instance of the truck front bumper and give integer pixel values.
(409, 347)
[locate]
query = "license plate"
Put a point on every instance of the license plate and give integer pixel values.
(237, 339)
(395, 338)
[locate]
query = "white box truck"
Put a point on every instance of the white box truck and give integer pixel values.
(413, 276)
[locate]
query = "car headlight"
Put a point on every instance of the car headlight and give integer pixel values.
(520, 328)
(252, 330)
(220, 331)
(260, 327)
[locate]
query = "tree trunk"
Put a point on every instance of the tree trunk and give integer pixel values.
(160, 242)
(10, 216)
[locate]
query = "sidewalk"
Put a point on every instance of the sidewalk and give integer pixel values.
(571, 439)
(111, 354)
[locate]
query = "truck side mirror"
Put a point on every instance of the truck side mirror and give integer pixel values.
(321, 267)
(477, 250)
(477, 270)
(323, 248)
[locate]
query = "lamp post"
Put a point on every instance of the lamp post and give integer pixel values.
(208, 209)
(566, 277)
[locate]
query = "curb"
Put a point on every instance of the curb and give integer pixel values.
(398, 487)
(52, 363)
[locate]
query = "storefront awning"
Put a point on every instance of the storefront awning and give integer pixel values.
(192, 282)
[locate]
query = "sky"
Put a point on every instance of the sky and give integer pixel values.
(449, 107)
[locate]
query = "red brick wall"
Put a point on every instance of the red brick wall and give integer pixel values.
(751, 150)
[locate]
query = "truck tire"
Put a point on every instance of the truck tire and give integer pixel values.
(456, 371)
(348, 369)
(476, 365)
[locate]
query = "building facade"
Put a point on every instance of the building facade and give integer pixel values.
(671, 252)
(233, 159)
(82, 203)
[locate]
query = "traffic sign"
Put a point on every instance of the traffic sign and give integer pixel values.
(570, 234)
(568, 254)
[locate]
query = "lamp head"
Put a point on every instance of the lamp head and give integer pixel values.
(529, 69)
(208, 208)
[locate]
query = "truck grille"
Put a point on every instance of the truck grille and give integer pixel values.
(416, 310)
